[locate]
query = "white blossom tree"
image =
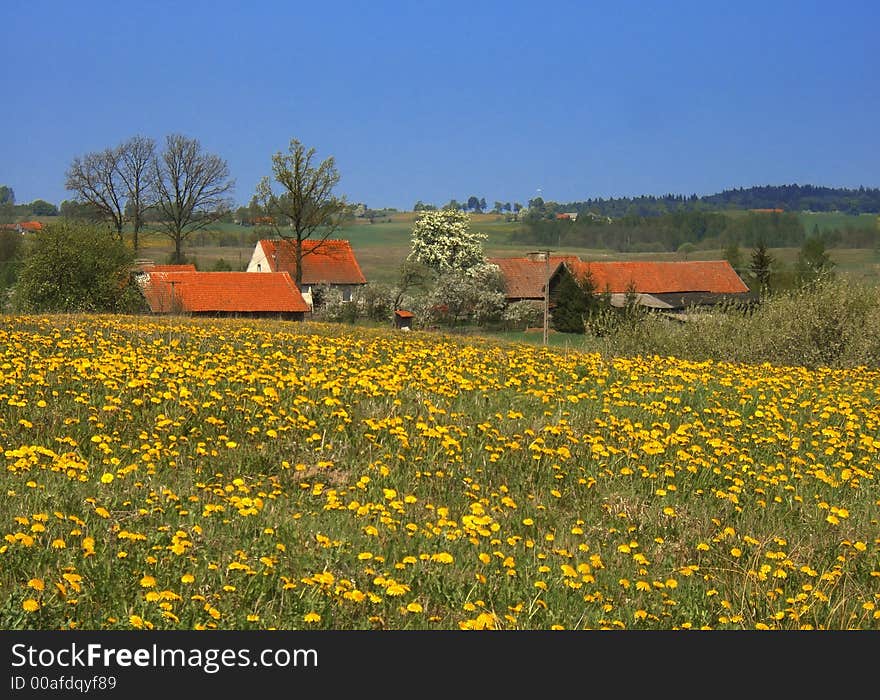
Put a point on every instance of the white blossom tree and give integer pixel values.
(443, 241)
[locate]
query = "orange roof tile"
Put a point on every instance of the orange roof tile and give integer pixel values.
(324, 262)
(715, 276)
(31, 225)
(524, 277)
(229, 292)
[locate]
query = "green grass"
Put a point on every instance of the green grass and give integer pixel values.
(826, 221)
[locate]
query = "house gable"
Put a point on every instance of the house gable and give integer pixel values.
(330, 262)
(524, 277)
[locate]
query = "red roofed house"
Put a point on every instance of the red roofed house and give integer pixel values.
(669, 286)
(329, 262)
(235, 294)
(23, 226)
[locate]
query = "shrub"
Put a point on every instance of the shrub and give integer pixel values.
(76, 267)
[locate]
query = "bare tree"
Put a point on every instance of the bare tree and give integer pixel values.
(136, 170)
(193, 189)
(306, 207)
(95, 180)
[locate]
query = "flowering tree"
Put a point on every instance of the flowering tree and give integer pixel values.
(468, 296)
(443, 241)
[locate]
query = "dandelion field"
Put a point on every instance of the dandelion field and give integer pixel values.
(192, 474)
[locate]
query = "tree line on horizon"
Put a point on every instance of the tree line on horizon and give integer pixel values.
(680, 230)
(794, 197)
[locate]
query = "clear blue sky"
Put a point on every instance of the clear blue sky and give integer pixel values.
(438, 100)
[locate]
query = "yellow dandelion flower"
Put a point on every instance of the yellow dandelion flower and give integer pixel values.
(106, 478)
(396, 589)
(414, 608)
(37, 584)
(30, 605)
(148, 582)
(312, 617)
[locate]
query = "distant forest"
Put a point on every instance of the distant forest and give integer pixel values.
(785, 197)
(740, 217)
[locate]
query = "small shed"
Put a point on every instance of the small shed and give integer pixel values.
(403, 319)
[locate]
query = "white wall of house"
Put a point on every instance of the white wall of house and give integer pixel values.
(258, 261)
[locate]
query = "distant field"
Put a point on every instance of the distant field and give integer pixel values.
(830, 220)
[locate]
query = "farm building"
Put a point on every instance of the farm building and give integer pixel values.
(235, 294)
(667, 286)
(328, 262)
(24, 226)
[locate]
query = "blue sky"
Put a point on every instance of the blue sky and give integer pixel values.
(433, 101)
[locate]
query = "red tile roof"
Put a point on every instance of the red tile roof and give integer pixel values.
(227, 292)
(324, 262)
(524, 277)
(715, 276)
(24, 226)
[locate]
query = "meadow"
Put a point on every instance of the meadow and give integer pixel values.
(191, 474)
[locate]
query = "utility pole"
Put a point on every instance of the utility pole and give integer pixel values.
(545, 256)
(546, 294)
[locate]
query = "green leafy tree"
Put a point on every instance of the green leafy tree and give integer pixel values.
(7, 195)
(813, 261)
(74, 267)
(686, 249)
(442, 240)
(40, 207)
(305, 206)
(733, 255)
(192, 189)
